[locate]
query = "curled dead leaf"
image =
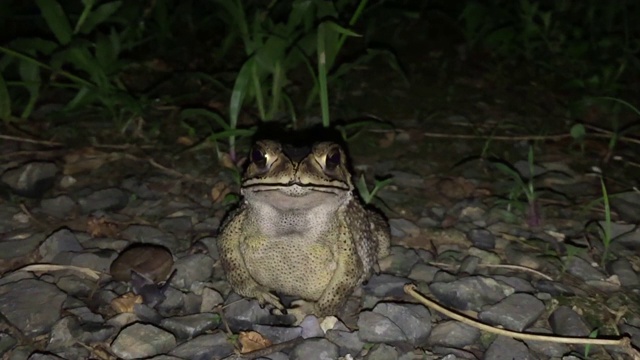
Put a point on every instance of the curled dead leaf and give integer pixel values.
(218, 191)
(252, 341)
(100, 227)
(126, 302)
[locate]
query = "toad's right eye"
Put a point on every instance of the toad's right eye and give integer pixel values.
(258, 157)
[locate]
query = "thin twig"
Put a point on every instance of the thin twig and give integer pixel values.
(505, 266)
(624, 342)
(94, 275)
(30, 141)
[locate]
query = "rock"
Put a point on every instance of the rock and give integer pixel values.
(242, 315)
(626, 205)
(150, 235)
(315, 349)
(278, 334)
(506, 348)
(583, 270)
(31, 179)
(192, 268)
(518, 284)
(20, 246)
(178, 226)
(515, 312)
(210, 300)
(189, 326)
(142, 340)
(469, 265)
(59, 207)
(547, 348)
(21, 302)
(623, 269)
(482, 239)
(413, 320)
(567, 322)
(385, 285)
(64, 334)
(403, 227)
(6, 343)
(470, 293)
(553, 288)
(382, 352)
(453, 334)
(59, 241)
(111, 199)
(204, 347)
(400, 261)
(348, 342)
(378, 328)
(423, 272)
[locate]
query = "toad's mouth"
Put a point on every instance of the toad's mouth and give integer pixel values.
(294, 197)
(297, 189)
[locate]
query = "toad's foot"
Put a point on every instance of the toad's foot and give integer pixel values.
(266, 297)
(299, 309)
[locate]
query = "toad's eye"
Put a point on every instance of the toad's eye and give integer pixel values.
(333, 159)
(258, 157)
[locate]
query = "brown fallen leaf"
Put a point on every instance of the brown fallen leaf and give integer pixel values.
(126, 302)
(100, 227)
(218, 191)
(252, 341)
(184, 140)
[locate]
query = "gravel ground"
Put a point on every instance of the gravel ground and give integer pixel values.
(451, 238)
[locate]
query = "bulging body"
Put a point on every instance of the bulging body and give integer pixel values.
(300, 230)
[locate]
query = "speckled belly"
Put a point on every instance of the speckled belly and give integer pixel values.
(303, 271)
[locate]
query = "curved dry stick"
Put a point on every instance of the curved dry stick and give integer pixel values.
(504, 266)
(624, 342)
(94, 275)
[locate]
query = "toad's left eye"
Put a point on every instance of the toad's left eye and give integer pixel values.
(333, 159)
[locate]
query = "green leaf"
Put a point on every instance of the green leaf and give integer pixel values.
(32, 45)
(99, 15)
(578, 131)
(56, 19)
(341, 30)
(30, 74)
(84, 96)
(212, 115)
(5, 100)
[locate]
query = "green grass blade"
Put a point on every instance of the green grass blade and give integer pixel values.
(5, 101)
(30, 74)
(208, 114)
(98, 16)
(322, 75)
(238, 94)
(56, 19)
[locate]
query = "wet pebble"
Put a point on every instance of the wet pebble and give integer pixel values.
(142, 340)
(21, 302)
(111, 199)
(32, 179)
(515, 312)
(315, 349)
(470, 293)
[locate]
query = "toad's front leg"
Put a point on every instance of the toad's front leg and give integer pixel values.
(235, 267)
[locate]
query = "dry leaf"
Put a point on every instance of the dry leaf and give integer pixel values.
(100, 227)
(218, 191)
(83, 160)
(126, 302)
(184, 140)
(252, 341)
(226, 161)
(387, 139)
(47, 268)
